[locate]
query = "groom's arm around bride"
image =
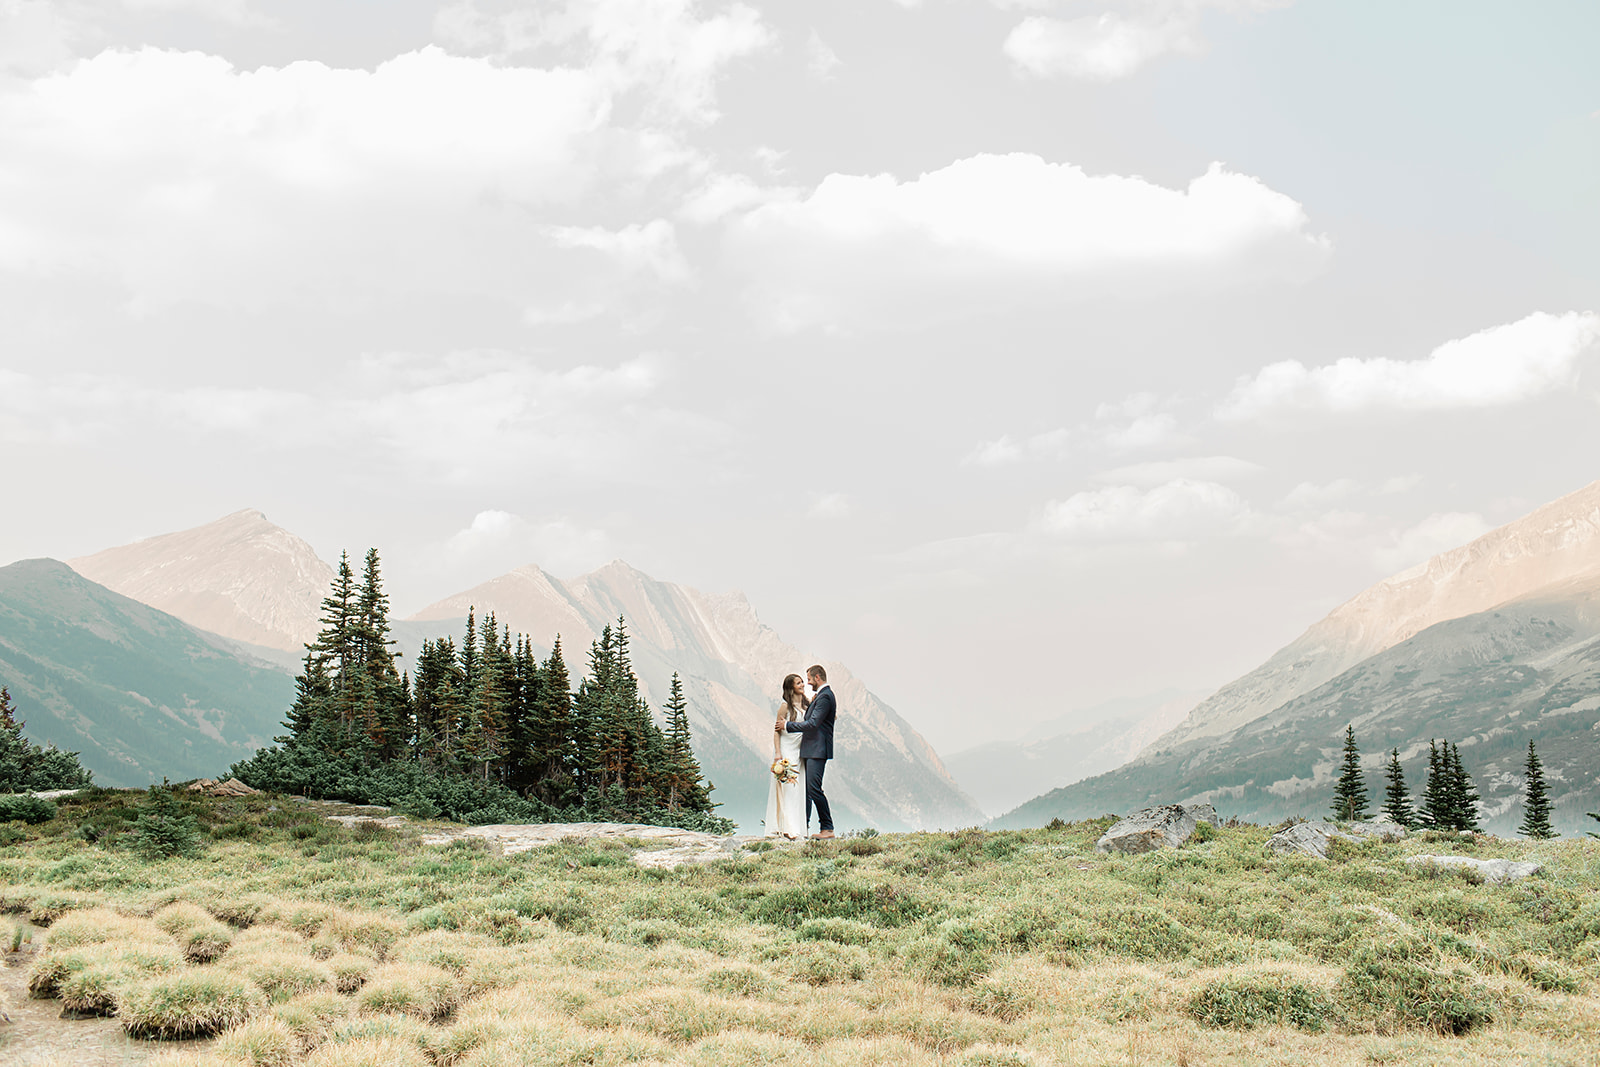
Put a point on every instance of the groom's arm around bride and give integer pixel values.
(816, 747)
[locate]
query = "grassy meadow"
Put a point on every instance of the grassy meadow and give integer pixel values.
(290, 940)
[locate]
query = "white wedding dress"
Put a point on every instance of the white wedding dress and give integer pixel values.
(786, 804)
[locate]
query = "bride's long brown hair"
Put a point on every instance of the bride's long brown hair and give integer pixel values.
(794, 696)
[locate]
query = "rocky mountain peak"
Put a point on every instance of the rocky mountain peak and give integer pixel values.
(241, 576)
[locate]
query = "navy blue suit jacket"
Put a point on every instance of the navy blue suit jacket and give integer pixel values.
(816, 728)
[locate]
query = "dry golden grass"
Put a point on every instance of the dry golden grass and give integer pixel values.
(959, 950)
(418, 989)
(264, 1041)
(370, 1052)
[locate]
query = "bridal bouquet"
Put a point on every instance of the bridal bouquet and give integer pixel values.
(784, 771)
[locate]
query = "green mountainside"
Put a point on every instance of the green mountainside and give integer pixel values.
(1490, 682)
(139, 693)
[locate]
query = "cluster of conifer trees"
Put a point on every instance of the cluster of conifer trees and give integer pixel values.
(26, 767)
(487, 712)
(1449, 800)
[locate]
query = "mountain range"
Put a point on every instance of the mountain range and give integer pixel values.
(257, 588)
(1492, 645)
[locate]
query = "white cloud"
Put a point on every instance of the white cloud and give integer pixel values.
(725, 194)
(1501, 365)
(179, 178)
(665, 50)
(1112, 44)
(830, 506)
(1197, 468)
(821, 60)
(497, 541)
(1098, 47)
(468, 418)
(1053, 444)
(1309, 495)
(1180, 510)
(987, 231)
(1433, 535)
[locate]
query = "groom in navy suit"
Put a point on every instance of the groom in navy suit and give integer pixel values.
(816, 747)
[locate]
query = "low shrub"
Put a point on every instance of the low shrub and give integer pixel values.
(25, 808)
(417, 989)
(739, 982)
(1246, 1001)
(876, 905)
(369, 1052)
(189, 1004)
(1402, 982)
(262, 1042)
(163, 830)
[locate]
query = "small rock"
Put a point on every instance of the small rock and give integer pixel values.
(1165, 827)
(1493, 872)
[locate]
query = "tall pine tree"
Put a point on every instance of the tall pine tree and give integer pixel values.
(1463, 797)
(1396, 802)
(1436, 814)
(684, 786)
(1350, 791)
(1536, 799)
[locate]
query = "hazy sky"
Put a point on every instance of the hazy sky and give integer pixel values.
(1019, 353)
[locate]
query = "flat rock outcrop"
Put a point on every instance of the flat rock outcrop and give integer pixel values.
(1168, 826)
(1493, 872)
(1311, 838)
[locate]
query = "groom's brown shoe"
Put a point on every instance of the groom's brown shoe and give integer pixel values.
(826, 835)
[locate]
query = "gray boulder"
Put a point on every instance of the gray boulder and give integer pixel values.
(1165, 827)
(1306, 839)
(1382, 827)
(1493, 872)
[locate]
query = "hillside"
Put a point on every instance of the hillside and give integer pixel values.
(732, 665)
(140, 694)
(241, 577)
(1555, 544)
(1490, 682)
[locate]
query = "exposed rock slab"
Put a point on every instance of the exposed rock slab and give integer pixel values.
(1168, 826)
(1493, 872)
(677, 847)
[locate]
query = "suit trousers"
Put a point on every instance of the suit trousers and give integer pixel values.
(815, 798)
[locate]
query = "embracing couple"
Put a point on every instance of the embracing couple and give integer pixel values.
(802, 745)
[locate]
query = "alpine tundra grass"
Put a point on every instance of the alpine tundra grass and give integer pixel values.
(304, 942)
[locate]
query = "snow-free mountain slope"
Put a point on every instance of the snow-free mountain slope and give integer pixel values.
(240, 576)
(1492, 644)
(732, 665)
(140, 694)
(1554, 544)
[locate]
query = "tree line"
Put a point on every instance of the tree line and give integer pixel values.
(26, 767)
(1449, 801)
(484, 730)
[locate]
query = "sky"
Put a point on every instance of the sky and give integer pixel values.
(1020, 354)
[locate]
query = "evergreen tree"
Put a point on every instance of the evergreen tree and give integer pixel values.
(1350, 792)
(386, 712)
(1536, 799)
(335, 646)
(484, 743)
(1396, 803)
(26, 767)
(684, 787)
(1435, 795)
(1463, 797)
(553, 744)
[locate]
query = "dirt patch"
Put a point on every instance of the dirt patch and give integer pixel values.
(38, 1034)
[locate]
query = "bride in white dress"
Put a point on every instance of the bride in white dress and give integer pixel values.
(786, 801)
